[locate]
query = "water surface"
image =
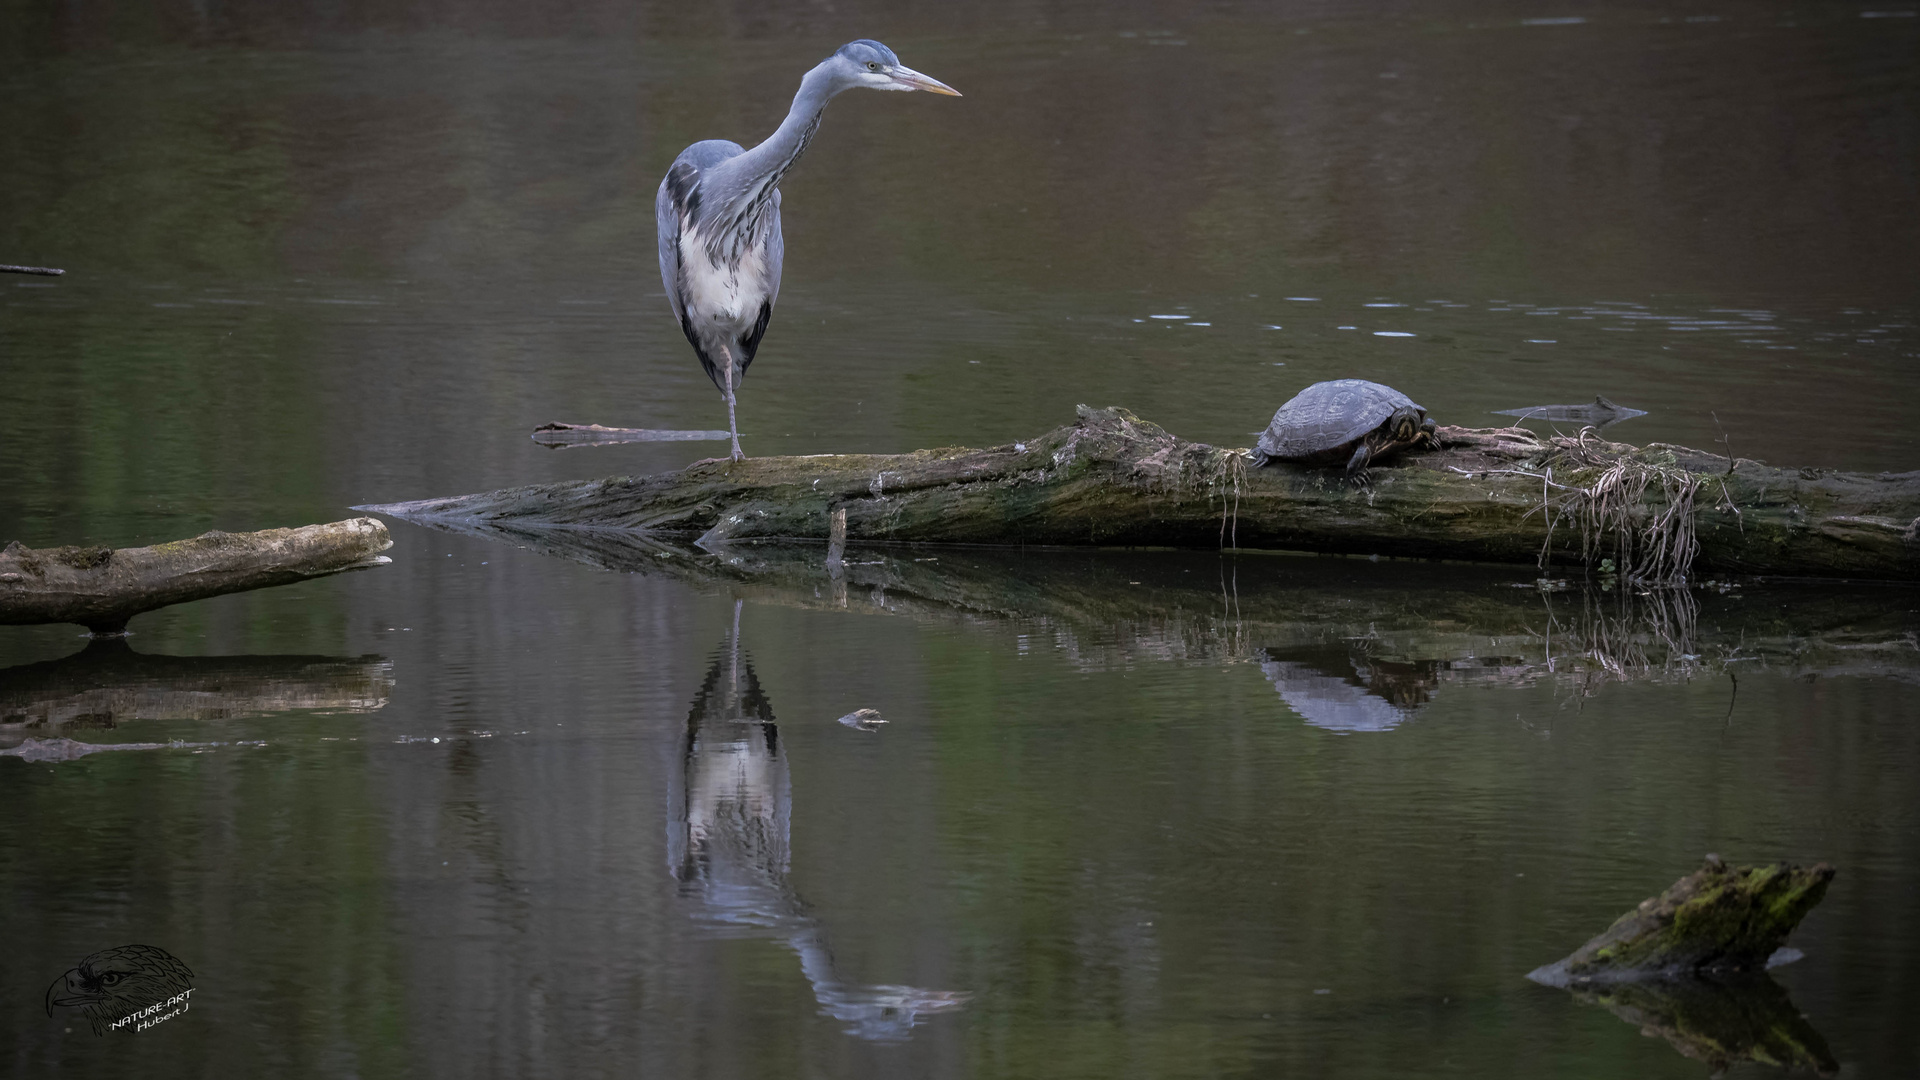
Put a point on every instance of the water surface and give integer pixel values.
(1132, 814)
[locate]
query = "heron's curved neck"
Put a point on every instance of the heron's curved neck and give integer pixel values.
(760, 169)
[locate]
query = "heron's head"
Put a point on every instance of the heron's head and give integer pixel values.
(872, 65)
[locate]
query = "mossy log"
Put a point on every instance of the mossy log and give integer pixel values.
(1493, 495)
(101, 588)
(1718, 920)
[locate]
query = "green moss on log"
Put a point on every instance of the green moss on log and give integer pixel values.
(1718, 920)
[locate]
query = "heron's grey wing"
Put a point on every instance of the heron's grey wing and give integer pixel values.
(669, 208)
(776, 252)
(680, 200)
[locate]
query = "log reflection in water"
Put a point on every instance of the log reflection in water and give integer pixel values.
(728, 844)
(1453, 624)
(108, 682)
(1722, 1023)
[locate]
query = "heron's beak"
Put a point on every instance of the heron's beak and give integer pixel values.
(909, 79)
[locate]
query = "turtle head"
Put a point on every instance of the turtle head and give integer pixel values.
(1404, 424)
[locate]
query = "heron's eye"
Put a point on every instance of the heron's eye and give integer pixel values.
(873, 65)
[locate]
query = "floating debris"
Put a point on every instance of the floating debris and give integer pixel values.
(39, 750)
(863, 720)
(1600, 414)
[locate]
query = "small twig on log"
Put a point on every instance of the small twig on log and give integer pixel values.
(101, 588)
(43, 271)
(1725, 439)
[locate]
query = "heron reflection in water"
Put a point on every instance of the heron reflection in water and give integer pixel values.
(1345, 690)
(729, 845)
(718, 216)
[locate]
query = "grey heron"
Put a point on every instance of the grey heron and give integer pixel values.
(718, 213)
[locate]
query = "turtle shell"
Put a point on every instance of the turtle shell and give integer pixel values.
(1330, 416)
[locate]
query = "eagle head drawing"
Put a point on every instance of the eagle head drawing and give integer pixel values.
(114, 983)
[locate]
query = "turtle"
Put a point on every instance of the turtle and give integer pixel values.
(1350, 420)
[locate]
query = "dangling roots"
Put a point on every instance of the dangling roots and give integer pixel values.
(1649, 546)
(1232, 469)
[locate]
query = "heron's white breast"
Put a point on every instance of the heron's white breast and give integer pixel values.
(719, 295)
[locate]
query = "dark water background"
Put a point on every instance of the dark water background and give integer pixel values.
(354, 253)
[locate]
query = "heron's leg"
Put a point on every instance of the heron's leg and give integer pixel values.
(733, 426)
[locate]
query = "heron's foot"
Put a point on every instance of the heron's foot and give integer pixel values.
(737, 455)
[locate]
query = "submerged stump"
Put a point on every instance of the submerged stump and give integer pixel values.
(1718, 920)
(1651, 515)
(1690, 965)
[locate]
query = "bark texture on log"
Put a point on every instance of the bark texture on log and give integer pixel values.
(1720, 919)
(101, 588)
(1491, 495)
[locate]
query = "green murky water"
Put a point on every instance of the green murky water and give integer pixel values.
(502, 811)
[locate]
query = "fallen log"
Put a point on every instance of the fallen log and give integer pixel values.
(1653, 514)
(101, 588)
